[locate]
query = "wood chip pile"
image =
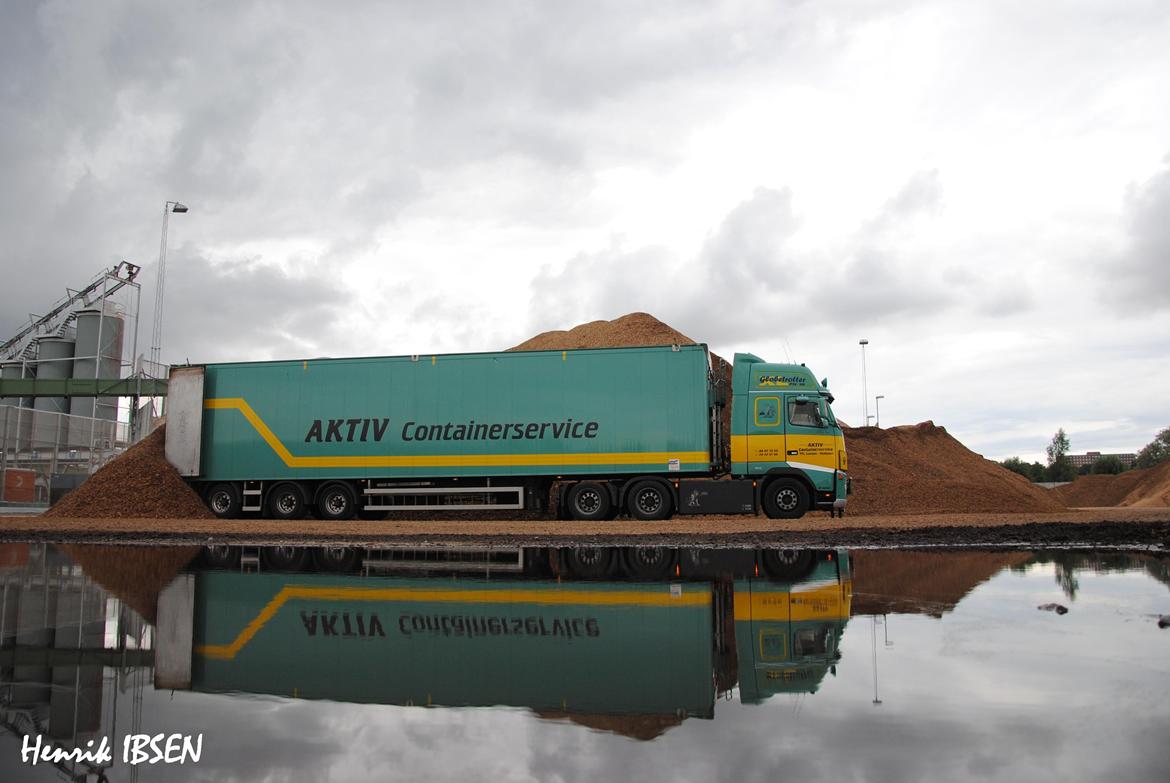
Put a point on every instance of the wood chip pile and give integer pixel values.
(921, 469)
(139, 483)
(1144, 487)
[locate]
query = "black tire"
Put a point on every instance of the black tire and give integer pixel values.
(221, 556)
(789, 564)
(589, 500)
(650, 500)
(336, 501)
(224, 500)
(285, 558)
(589, 562)
(337, 559)
(648, 562)
(785, 498)
(286, 501)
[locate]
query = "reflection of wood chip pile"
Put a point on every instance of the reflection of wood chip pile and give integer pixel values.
(134, 574)
(888, 581)
(639, 727)
(921, 469)
(138, 483)
(1144, 487)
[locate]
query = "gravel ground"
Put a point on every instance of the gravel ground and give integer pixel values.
(1131, 528)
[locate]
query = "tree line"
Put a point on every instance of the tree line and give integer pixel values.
(1060, 467)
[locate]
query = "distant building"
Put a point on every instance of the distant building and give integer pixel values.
(1089, 457)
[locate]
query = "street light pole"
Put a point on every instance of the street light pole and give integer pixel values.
(877, 408)
(160, 284)
(864, 392)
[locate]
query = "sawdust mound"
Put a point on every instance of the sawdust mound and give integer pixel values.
(921, 469)
(138, 483)
(134, 574)
(633, 329)
(1143, 487)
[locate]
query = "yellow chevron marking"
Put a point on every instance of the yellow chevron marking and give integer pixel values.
(448, 460)
(427, 595)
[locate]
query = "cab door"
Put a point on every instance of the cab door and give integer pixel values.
(765, 441)
(810, 441)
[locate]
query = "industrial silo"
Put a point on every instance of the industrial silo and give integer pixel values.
(16, 413)
(54, 362)
(98, 354)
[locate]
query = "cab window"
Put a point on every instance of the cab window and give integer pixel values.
(805, 414)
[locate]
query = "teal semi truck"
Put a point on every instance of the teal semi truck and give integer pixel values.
(539, 637)
(612, 431)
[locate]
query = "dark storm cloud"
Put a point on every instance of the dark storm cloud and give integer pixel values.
(292, 120)
(1141, 276)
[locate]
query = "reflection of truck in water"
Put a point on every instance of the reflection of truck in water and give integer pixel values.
(641, 431)
(539, 636)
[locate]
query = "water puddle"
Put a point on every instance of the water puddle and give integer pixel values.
(155, 663)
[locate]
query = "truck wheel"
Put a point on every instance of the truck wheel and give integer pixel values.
(588, 500)
(285, 558)
(337, 559)
(286, 501)
(336, 501)
(589, 562)
(224, 500)
(788, 564)
(785, 498)
(648, 562)
(650, 500)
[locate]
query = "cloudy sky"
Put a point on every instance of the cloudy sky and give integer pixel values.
(981, 189)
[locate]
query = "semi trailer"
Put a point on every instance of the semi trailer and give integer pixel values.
(537, 634)
(588, 434)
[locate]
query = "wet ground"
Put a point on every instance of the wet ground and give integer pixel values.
(1138, 528)
(587, 663)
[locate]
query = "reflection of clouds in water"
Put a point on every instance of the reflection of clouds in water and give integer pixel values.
(993, 690)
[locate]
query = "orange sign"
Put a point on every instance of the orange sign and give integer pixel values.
(19, 486)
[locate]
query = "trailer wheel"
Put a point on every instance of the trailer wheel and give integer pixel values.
(589, 562)
(649, 500)
(336, 501)
(337, 559)
(286, 501)
(224, 500)
(789, 564)
(285, 558)
(785, 498)
(588, 500)
(648, 562)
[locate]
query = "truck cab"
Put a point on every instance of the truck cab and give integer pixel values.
(785, 437)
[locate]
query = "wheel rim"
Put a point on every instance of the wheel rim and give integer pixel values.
(649, 501)
(787, 556)
(221, 502)
(588, 556)
(649, 557)
(786, 498)
(287, 503)
(336, 503)
(588, 501)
